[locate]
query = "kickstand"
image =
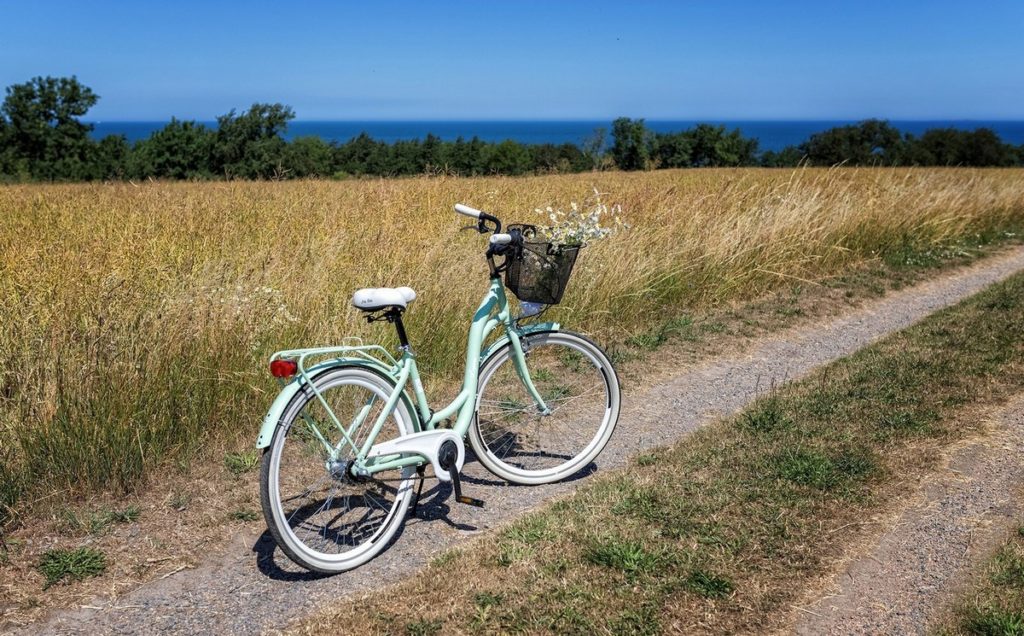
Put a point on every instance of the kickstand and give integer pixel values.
(421, 471)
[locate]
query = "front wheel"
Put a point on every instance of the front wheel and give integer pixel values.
(576, 380)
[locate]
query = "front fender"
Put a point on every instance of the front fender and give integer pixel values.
(273, 417)
(524, 331)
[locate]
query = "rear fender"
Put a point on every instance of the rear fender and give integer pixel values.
(277, 409)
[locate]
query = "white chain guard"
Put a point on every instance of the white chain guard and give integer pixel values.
(426, 444)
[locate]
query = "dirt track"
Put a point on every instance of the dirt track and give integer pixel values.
(251, 588)
(904, 581)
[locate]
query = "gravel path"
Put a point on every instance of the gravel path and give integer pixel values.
(252, 588)
(905, 580)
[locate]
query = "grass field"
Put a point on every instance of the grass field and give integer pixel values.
(137, 319)
(723, 532)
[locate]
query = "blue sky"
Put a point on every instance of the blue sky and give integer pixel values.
(529, 60)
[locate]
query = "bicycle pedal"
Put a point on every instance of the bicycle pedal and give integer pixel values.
(446, 457)
(469, 501)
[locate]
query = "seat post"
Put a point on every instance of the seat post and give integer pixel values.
(394, 315)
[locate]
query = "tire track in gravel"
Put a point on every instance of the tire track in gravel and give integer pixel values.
(250, 587)
(903, 582)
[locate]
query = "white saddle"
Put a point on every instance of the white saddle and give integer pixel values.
(376, 298)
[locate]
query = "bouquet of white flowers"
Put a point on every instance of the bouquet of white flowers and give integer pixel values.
(539, 271)
(576, 228)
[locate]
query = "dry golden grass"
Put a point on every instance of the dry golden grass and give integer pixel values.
(137, 320)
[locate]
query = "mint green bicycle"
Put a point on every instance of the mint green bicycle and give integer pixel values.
(352, 431)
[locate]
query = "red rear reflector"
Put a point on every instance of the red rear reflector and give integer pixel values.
(283, 368)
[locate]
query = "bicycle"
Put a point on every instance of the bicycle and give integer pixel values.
(344, 441)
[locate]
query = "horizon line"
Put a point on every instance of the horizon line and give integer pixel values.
(587, 120)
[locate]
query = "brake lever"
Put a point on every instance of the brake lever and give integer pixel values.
(469, 227)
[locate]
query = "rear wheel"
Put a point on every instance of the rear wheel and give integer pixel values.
(322, 517)
(579, 385)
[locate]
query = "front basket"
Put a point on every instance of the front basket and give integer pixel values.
(539, 272)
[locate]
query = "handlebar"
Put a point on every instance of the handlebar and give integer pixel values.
(468, 211)
(499, 244)
(482, 218)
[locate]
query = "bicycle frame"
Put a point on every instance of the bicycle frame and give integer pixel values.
(492, 313)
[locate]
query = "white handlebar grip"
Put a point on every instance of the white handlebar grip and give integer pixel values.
(501, 239)
(468, 211)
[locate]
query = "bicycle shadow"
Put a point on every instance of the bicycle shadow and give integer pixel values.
(269, 558)
(433, 506)
(488, 479)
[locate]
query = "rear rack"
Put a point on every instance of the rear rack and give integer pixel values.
(370, 353)
(375, 354)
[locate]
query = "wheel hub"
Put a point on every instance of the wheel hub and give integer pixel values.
(338, 470)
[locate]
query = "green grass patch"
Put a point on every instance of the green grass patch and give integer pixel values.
(99, 521)
(629, 557)
(444, 558)
(61, 566)
(240, 463)
(646, 459)
(822, 470)
(708, 585)
(993, 621)
(995, 604)
(245, 515)
(681, 327)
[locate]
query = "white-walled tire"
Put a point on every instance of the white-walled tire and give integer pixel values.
(332, 523)
(577, 381)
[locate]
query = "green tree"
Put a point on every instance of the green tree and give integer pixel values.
(508, 157)
(250, 146)
(713, 146)
(309, 157)
(43, 134)
(465, 158)
(7, 162)
(788, 157)
(361, 155)
(673, 150)
(983, 147)
(868, 143)
(631, 147)
(545, 158)
(571, 158)
(109, 158)
(594, 148)
(431, 156)
(179, 150)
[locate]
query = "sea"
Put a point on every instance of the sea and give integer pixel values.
(772, 135)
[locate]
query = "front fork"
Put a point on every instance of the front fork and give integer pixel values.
(519, 353)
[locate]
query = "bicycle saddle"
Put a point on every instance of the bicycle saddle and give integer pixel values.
(377, 298)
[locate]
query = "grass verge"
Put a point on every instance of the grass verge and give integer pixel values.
(721, 532)
(994, 606)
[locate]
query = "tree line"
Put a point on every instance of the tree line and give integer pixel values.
(42, 138)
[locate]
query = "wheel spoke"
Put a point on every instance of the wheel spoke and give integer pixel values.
(325, 513)
(576, 390)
